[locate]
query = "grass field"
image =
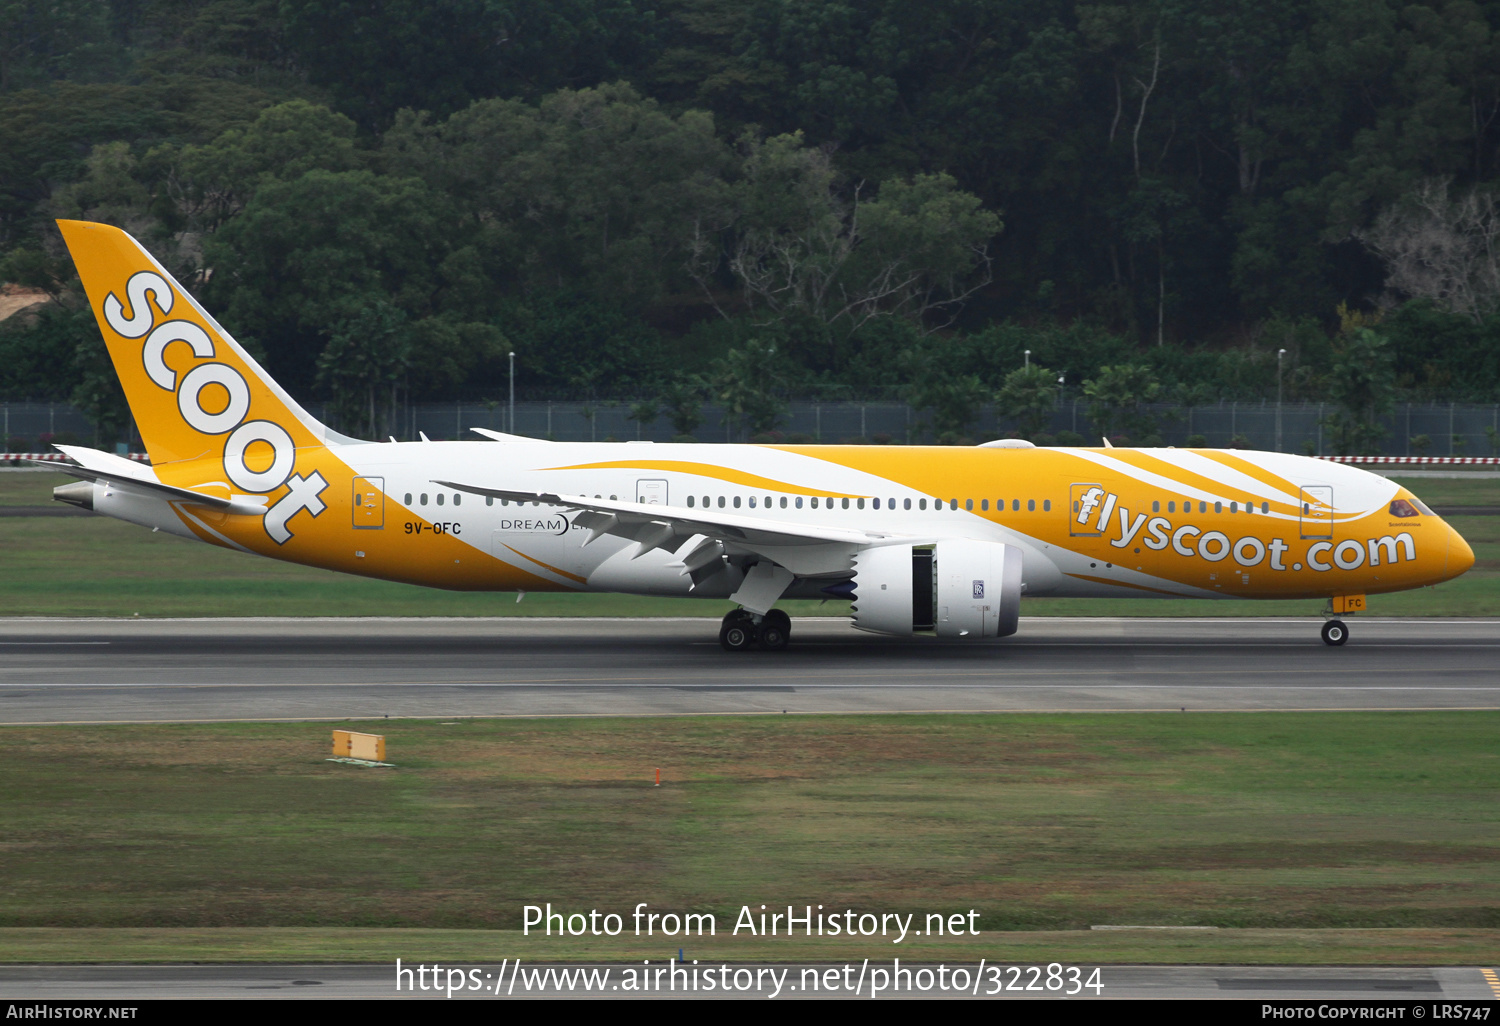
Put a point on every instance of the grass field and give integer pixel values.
(302, 945)
(93, 566)
(1350, 822)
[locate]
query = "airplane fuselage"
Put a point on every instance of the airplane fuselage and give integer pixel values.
(1155, 523)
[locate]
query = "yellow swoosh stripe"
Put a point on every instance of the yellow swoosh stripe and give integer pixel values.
(549, 566)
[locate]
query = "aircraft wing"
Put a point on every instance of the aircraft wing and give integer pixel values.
(805, 549)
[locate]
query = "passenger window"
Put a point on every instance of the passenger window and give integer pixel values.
(984, 505)
(1218, 507)
(768, 502)
(1031, 505)
(860, 503)
(1171, 507)
(1265, 507)
(752, 502)
(1015, 505)
(721, 502)
(1202, 507)
(783, 502)
(424, 498)
(1046, 505)
(489, 500)
(921, 504)
(799, 502)
(736, 502)
(1155, 506)
(846, 503)
(969, 505)
(953, 504)
(690, 502)
(439, 498)
(890, 503)
(1234, 507)
(457, 498)
(906, 504)
(407, 500)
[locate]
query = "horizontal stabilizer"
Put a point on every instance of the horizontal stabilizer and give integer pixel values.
(96, 465)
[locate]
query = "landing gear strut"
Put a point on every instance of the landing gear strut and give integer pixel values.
(739, 630)
(1335, 633)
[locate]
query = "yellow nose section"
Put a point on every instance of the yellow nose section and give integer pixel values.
(1460, 555)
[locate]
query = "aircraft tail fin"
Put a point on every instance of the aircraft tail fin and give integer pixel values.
(195, 392)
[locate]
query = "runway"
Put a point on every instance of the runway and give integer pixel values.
(192, 670)
(1391, 986)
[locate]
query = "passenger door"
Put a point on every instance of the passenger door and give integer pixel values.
(651, 493)
(1084, 506)
(369, 503)
(1317, 511)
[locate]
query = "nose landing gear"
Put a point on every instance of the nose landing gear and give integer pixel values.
(740, 630)
(1335, 632)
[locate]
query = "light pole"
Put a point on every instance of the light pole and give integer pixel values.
(1279, 354)
(1028, 359)
(511, 414)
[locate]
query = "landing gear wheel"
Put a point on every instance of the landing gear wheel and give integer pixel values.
(780, 619)
(737, 632)
(771, 635)
(1335, 633)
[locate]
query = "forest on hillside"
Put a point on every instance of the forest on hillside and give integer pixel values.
(947, 202)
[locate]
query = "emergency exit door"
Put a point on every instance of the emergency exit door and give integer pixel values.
(651, 493)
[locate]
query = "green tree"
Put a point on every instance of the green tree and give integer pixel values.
(1030, 396)
(380, 58)
(305, 256)
(682, 399)
(748, 382)
(97, 392)
(1363, 383)
(1116, 397)
(38, 356)
(40, 42)
(948, 399)
(598, 190)
(802, 251)
(212, 182)
(364, 363)
(569, 344)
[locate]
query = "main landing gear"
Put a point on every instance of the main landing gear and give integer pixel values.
(741, 629)
(1335, 632)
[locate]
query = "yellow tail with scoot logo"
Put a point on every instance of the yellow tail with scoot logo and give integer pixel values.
(212, 420)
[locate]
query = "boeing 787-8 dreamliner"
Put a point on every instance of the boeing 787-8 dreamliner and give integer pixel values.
(923, 541)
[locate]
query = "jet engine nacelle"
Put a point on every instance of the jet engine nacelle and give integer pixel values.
(954, 589)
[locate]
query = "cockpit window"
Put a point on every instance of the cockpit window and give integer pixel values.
(1403, 510)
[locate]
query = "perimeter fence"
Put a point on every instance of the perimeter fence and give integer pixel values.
(1411, 429)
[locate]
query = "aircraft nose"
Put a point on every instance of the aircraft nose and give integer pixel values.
(1460, 555)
